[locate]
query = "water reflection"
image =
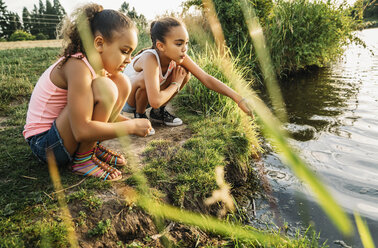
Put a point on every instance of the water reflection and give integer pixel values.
(333, 118)
(314, 101)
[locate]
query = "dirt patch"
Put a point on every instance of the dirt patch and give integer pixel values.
(30, 44)
(138, 144)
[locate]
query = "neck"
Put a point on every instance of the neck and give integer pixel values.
(164, 60)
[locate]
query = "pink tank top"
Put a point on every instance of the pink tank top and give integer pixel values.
(47, 101)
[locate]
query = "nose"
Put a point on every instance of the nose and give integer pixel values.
(185, 48)
(128, 59)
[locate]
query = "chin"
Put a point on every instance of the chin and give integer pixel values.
(179, 61)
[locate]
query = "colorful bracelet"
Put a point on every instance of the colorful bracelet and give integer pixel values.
(178, 86)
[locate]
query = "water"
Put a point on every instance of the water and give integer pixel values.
(333, 119)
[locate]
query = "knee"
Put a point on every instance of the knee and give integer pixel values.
(105, 91)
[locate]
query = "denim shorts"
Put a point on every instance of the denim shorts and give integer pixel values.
(128, 109)
(49, 140)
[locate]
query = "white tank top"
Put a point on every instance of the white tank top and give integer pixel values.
(132, 73)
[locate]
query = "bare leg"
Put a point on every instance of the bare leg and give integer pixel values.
(106, 102)
(138, 96)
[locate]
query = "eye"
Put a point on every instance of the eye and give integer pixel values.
(125, 51)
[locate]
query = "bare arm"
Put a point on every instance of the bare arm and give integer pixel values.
(209, 81)
(80, 105)
(214, 84)
(156, 96)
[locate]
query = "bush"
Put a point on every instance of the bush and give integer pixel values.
(299, 33)
(21, 35)
(41, 36)
(307, 33)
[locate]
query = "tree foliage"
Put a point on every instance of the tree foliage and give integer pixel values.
(371, 9)
(139, 19)
(41, 21)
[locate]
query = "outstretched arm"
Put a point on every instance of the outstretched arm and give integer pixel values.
(214, 84)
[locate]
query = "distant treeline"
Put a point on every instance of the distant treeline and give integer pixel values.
(41, 22)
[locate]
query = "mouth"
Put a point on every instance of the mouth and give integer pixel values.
(122, 68)
(182, 56)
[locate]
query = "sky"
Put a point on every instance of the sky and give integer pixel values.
(149, 8)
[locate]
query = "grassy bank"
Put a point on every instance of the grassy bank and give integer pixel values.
(30, 215)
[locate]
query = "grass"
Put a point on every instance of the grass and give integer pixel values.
(29, 212)
(30, 215)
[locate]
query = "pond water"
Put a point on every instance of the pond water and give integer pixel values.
(333, 120)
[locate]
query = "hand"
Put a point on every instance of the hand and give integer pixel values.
(245, 106)
(178, 74)
(142, 127)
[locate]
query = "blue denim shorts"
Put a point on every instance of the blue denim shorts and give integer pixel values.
(128, 109)
(49, 140)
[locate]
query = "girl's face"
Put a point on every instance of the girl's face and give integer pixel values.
(116, 54)
(176, 44)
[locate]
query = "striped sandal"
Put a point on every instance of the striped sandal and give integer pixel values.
(108, 156)
(99, 168)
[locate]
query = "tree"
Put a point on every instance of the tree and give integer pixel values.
(3, 20)
(45, 19)
(35, 26)
(51, 20)
(26, 19)
(371, 9)
(140, 20)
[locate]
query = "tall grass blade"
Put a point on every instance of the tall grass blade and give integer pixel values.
(364, 232)
(326, 201)
(264, 58)
(272, 126)
(87, 38)
(208, 223)
(66, 216)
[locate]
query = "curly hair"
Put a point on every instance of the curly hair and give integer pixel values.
(104, 21)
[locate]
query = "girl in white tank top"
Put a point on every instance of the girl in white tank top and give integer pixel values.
(159, 73)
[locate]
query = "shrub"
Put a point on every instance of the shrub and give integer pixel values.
(21, 35)
(307, 33)
(41, 36)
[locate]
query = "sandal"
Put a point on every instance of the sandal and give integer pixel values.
(108, 156)
(100, 169)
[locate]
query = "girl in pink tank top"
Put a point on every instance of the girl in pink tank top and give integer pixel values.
(76, 104)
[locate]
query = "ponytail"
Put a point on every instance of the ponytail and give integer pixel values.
(159, 29)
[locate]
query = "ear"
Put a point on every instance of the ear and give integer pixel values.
(160, 46)
(98, 43)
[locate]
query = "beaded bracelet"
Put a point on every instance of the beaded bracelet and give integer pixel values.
(178, 86)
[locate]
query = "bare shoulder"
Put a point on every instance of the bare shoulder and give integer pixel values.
(76, 70)
(145, 58)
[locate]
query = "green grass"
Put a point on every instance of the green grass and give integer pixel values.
(29, 212)
(28, 216)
